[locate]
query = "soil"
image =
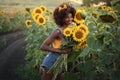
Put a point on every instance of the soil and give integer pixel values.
(12, 55)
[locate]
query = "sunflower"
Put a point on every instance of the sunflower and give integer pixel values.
(78, 18)
(107, 18)
(41, 20)
(2, 12)
(102, 26)
(106, 8)
(82, 44)
(37, 10)
(46, 17)
(43, 8)
(28, 9)
(109, 9)
(35, 16)
(95, 14)
(79, 35)
(82, 8)
(73, 26)
(67, 32)
(103, 7)
(32, 14)
(27, 22)
(84, 28)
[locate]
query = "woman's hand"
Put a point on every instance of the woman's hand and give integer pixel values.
(65, 51)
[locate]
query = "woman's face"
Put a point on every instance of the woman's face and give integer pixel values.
(68, 19)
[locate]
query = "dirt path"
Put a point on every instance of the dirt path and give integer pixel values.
(12, 57)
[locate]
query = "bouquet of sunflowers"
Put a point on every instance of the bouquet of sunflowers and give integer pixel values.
(75, 39)
(75, 36)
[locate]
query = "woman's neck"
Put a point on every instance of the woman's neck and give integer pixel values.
(63, 27)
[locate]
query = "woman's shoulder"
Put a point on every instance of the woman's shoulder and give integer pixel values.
(57, 31)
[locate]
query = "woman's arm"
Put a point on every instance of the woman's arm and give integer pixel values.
(46, 44)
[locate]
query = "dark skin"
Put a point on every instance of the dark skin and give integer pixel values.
(55, 35)
(46, 46)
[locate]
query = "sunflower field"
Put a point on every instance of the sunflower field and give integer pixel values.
(10, 22)
(94, 38)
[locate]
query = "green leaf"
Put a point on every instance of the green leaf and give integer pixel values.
(72, 56)
(115, 75)
(106, 59)
(90, 75)
(113, 2)
(94, 44)
(70, 76)
(84, 52)
(86, 66)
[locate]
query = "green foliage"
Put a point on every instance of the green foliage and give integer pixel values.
(35, 35)
(89, 2)
(28, 72)
(98, 61)
(2, 42)
(70, 76)
(8, 23)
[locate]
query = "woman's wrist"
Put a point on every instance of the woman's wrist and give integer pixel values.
(59, 51)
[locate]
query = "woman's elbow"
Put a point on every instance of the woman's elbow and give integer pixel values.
(42, 47)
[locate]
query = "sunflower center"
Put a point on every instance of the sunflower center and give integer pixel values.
(28, 23)
(67, 32)
(104, 7)
(83, 29)
(78, 16)
(42, 8)
(83, 43)
(36, 16)
(38, 11)
(78, 35)
(41, 20)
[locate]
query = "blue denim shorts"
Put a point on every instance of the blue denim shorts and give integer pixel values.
(50, 59)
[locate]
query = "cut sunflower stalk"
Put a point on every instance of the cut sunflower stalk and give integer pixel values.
(65, 56)
(59, 65)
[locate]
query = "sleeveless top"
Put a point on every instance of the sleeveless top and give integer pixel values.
(57, 42)
(51, 57)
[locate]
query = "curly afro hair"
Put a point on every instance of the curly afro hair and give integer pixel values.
(60, 14)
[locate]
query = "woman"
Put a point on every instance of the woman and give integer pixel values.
(63, 17)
